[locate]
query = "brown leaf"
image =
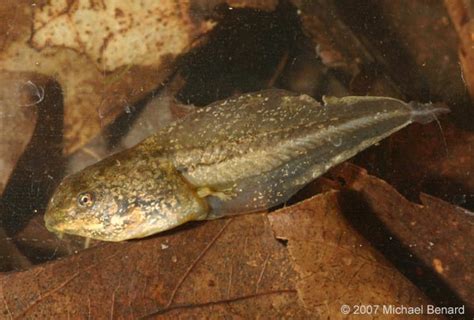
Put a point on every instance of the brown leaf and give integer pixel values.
(138, 57)
(437, 233)
(435, 159)
(375, 43)
(224, 267)
(231, 266)
(336, 266)
(92, 98)
(460, 12)
(336, 45)
(341, 47)
(415, 44)
(228, 267)
(116, 34)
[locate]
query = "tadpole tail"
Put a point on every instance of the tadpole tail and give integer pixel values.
(426, 112)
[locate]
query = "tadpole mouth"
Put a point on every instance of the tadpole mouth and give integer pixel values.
(51, 223)
(53, 220)
(55, 225)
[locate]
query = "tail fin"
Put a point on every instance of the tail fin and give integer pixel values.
(427, 112)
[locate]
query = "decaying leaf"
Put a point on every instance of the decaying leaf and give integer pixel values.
(228, 267)
(336, 266)
(436, 233)
(120, 52)
(223, 266)
(439, 162)
(92, 98)
(115, 34)
(427, 56)
(461, 14)
(372, 41)
(339, 47)
(332, 42)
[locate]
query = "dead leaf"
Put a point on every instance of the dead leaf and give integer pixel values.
(341, 48)
(460, 12)
(114, 34)
(331, 36)
(112, 64)
(427, 57)
(224, 266)
(434, 233)
(92, 99)
(439, 162)
(336, 266)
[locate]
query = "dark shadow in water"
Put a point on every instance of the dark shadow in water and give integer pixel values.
(115, 131)
(39, 168)
(359, 213)
(242, 53)
(369, 22)
(450, 190)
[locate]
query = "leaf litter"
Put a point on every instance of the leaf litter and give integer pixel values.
(288, 263)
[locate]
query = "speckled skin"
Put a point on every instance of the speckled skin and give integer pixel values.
(238, 155)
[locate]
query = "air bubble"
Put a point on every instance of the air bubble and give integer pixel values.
(129, 109)
(33, 93)
(336, 141)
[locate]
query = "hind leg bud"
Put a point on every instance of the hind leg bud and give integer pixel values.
(224, 195)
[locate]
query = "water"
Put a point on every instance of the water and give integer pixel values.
(65, 104)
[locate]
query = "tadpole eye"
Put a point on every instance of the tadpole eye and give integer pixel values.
(85, 199)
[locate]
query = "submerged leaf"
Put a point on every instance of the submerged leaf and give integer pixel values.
(338, 267)
(224, 266)
(434, 236)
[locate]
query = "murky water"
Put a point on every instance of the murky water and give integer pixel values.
(71, 95)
